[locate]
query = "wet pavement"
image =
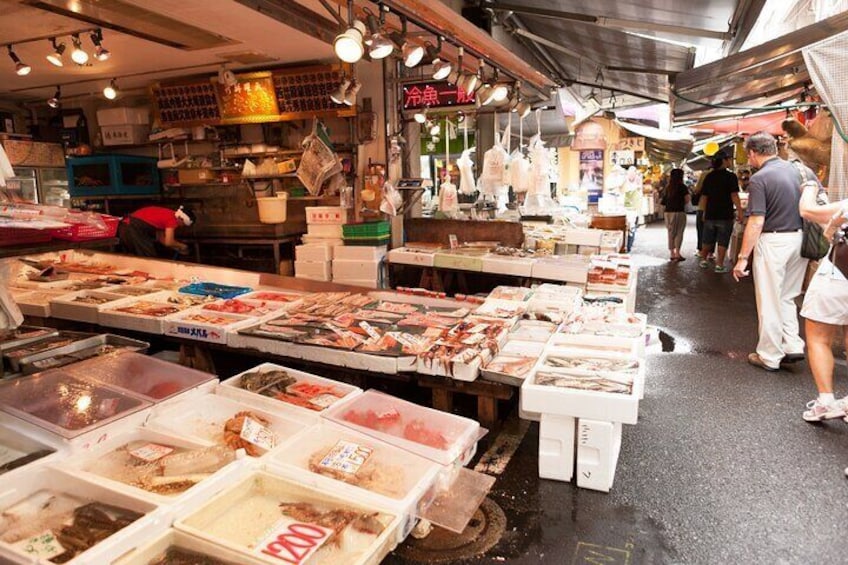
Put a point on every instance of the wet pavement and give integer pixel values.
(720, 468)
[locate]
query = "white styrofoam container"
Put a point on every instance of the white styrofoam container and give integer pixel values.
(202, 419)
(532, 330)
(109, 316)
(515, 266)
(351, 270)
(460, 262)
(367, 283)
(460, 434)
(558, 269)
(123, 115)
(556, 447)
(330, 231)
(284, 296)
(179, 326)
(49, 479)
(68, 308)
(598, 447)
(498, 308)
(401, 479)
(361, 253)
(580, 236)
(232, 388)
(319, 270)
(402, 256)
(314, 252)
(24, 439)
(124, 134)
(331, 241)
(326, 215)
(151, 549)
(37, 303)
(252, 505)
(632, 346)
(521, 348)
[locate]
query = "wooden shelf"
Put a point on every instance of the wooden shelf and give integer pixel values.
(269, 177)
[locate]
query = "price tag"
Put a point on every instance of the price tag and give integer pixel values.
(44, 545)
(479, 328)
(324, 400)
(257, 434)
(293, 542)
(346, 457)
(151, 452)
(474, 339)
(454, 242)
(401, 338)
(369, 329)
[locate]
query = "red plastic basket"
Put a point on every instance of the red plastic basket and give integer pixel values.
(23, 236)
(85, 232)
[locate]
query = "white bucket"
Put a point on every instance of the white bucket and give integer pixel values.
(272, 210)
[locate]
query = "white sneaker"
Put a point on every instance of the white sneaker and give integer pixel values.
(816, 411)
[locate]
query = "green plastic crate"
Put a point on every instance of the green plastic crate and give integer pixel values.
(369, 241)
(367, 229)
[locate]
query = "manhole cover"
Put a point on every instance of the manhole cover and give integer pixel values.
(484, 530)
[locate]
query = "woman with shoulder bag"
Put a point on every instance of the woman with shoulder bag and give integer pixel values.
(825, 308)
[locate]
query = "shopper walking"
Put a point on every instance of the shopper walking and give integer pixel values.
(773, 232)
(675, 200)
(825, 311)
(721, 190)
(701, 202)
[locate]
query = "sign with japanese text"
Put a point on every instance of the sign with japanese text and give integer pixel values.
(251, 99)
(630, 144)
(434, 94)
(622, 157)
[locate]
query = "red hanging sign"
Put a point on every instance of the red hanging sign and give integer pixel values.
(434, 95)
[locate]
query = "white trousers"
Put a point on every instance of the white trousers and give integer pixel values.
(778, 276)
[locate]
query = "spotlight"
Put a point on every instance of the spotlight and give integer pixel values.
(523, 109)
(55, 57)
(348, 45)
(500, 92)
(421, 116)
(435, 129)
(352, 91)
(111, 90)
(486, 94)
(411, 52)
(338, 95)
(56, 101)
(467, 82)
(513, 103)
(78, 56)
(21, 68)
(379, 46)
(460, 117)
(100, 52)
(441, 69)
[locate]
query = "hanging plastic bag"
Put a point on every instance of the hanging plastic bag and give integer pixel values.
(318, 162)
(491, 182)
(448, 198)
(392, 200)
(466, 172)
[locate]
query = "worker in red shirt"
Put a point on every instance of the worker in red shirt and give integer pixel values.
(149, 231)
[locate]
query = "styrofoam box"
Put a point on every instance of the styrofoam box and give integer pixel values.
(84, 464)
(579, 236)
(561, 268)
(344, 269)
(202, 419)
(119, 116)
(501, 308)
(556, 447)
(109, 316)
(595, 405)
(402, 256)
(245, 518)
(398, 479)
(16, 443)
(151, 550)
(454, 368)
(598, 447)
(37, 303)
(328, 231)
(321, 270)
(46, 479)
(327, 215)
(314, 252)
(179, 326)
(366, 283)
(460, 434)
(520, 348)
(289, 296)
(232, 388)
(124, 134)
(516, 266)
(360, 252)
(633, 346)
(458, 262)
(67, 307)
(308, 239)
(532, 330)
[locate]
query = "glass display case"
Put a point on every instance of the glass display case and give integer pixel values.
(105, 175)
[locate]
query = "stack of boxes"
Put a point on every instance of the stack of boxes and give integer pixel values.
(313, 259)
(359, 265)
(124, 126)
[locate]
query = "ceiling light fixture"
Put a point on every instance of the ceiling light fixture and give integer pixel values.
(441, 68)
(485, 93)
(411, 52)
(379, 46)
(100, 52)
(56, 101)
(523, 109)
(338, 95)
(22, 69)
(349, 45)
(421, 115)
(500, 89)
(435, 128)
(111, 90)
(78, 55)
(55, 57)
(352, 91)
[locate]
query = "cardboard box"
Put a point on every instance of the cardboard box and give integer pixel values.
(125, 134)
(196, 176)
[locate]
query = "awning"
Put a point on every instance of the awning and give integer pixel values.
(661, 145)
(769, 122)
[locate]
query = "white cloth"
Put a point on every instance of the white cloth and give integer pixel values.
(826, 299)
(778, 276)
(466, 172)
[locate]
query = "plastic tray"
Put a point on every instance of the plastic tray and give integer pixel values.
(18, 451)
(367, 229)
(149, 378)
(215, 289)
(152, 551)
(385, 417)
(94, 346)
(23, 335)
(85, 232)
(233, 388)
(179, 325)
(37, 303)
(67, 307)
(65, 405)
(273, 295)
(15, 358)
(247, 518)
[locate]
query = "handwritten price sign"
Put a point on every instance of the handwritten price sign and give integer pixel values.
(293, 542)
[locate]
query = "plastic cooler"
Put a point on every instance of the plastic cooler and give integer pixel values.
(149, 378)
(164, 548)
(85, 232)
(249, 519)
(309, 410)
(65, 405)
(436, 435)
(336, 459)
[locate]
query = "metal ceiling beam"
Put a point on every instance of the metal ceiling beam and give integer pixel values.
(294, 15)
(782, 90)
(744, 17)
(616, 23)
(561, 48)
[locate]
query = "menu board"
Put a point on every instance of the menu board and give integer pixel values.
(186, 104)
(251, 99)
(308, 90)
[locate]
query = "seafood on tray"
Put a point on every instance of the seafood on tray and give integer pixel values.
(515, 293)
(392, 422)
(592, 365)
(608, 383)
(134, 290)
(512, 366)
(180, 556)
(146, 308)
(397, 343)
(398, 307)
(160, 468)
(236, 306)
(90, 299)
(278, 384)
(43, 345)
(23, 332)
(276, 331)
(274, 296)
(337, 520)
(339, 339)
(187, 300)
(358, 465)
(235, 432)
(207, 319)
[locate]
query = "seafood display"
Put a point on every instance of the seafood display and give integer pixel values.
(179, 556)
(360, 465)
(236, 306)
(134, 290)
(160, 468)
(622, 385)
(58, 527)
(17, 451)
(393, 423)
(617, 275)
(81, 355)
(40, 345)
(208, 319)
(23, 333)
(145, 308)
(91, 299)
(278, 384)
(274, 296)
(515, 293)
(592, 366)
(511, 365)
(188, 300)
(234, 432)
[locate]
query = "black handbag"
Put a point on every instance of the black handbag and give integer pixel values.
(839, 253)
(814, 245)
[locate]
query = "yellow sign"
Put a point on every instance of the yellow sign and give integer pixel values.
(630, 144)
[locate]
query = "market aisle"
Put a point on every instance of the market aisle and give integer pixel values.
(720, 468)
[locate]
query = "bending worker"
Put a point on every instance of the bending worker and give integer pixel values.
(149, 231)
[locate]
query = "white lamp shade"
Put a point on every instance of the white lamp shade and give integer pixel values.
(348, 45)
(412, 54)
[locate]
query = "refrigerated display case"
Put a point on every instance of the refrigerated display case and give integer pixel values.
(40, 185)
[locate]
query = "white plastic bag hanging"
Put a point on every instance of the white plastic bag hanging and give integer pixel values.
(448, 199)
(519, 166)
(491, 181)
(466, 164)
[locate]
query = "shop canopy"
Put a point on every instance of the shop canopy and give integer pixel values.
(661, 145)
(770, 122)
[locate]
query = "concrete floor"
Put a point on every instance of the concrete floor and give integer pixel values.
(720, 468)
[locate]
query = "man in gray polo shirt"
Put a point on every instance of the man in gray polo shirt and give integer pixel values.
(773, 232)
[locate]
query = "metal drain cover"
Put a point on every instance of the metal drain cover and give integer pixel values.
(484, 530)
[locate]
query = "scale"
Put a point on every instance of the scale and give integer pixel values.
(412, 191)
